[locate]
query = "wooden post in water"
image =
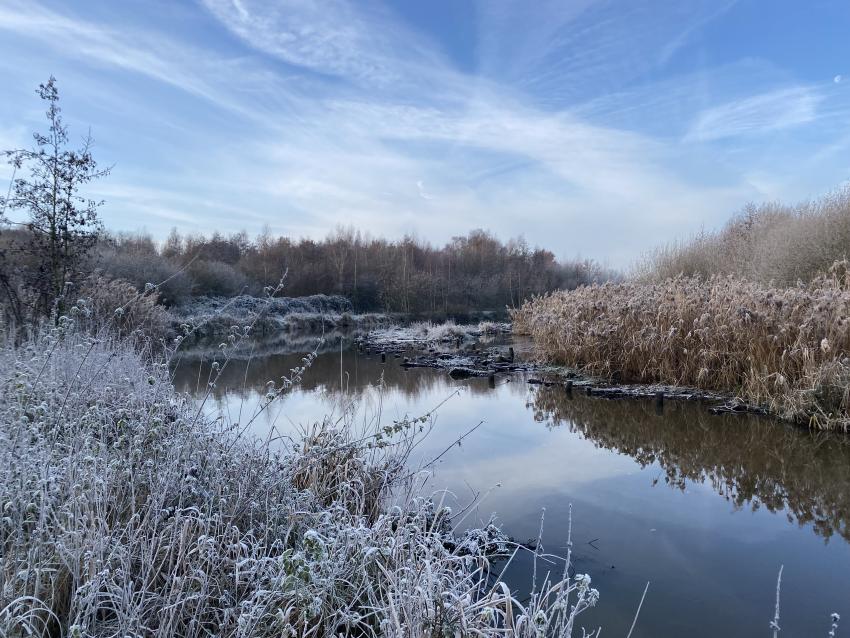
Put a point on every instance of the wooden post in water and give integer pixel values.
(491, 380)
(511, 353)
(383, 357)
(659, 402)
(589, 390)
(569, 386)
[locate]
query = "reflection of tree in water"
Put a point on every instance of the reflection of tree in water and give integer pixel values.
(750, 461)
(360, 372)
(284, 343)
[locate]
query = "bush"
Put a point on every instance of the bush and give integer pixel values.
(117, 305)
(216, 279)
(141, 268)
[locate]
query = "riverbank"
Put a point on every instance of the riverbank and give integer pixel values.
(489, 350)
(215, 317)
(784, 350)
(127, 511)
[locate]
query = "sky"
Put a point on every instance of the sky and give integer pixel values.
(592, 128)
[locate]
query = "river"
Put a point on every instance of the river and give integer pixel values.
(706, 508)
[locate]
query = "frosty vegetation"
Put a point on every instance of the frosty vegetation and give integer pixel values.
(769, 243)
(424, 333)
(215, 316)
(783, 348)
(247, 305)
(125, 511)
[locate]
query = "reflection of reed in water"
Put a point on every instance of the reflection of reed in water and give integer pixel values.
(750, 461)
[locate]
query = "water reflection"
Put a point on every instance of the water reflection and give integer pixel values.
(339, 366)
(706, 507)
(752, 462)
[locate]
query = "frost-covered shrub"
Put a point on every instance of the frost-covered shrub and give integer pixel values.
(426, 333)
(311, 322)
(215, 316)
(125, 511)
(117, 304)
(140, 268)
(248, 306)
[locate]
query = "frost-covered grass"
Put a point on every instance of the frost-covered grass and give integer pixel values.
(446, 331)
(127, 512)
(489, 328)
(425, 333)
(247, 305)
(784, 348)
(214, 317)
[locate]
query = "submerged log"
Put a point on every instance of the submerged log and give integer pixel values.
(461, 372)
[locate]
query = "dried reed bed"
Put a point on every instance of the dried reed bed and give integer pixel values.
(766, 243)
(126, 512)
(783, 348)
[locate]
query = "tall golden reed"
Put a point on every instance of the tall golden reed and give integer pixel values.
(783, 348)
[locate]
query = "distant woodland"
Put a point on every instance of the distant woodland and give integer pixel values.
(474, 272)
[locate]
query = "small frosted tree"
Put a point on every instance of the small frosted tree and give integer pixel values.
(63, 225)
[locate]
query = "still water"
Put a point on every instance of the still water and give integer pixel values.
(706, 508)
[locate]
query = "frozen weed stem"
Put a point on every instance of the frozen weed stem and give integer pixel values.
(125, 511)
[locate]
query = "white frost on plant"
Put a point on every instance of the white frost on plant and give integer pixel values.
(153, 520)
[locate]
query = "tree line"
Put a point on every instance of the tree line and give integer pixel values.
(58, 245)
(473, 272)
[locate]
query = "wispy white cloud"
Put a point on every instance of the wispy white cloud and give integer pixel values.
(420, 185)
(186, 68)
(701, 18)
(762, 113)
(339, 38)
(367, 111)
(328, 37)
(561, 53)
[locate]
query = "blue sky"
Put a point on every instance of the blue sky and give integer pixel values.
(592, 128)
